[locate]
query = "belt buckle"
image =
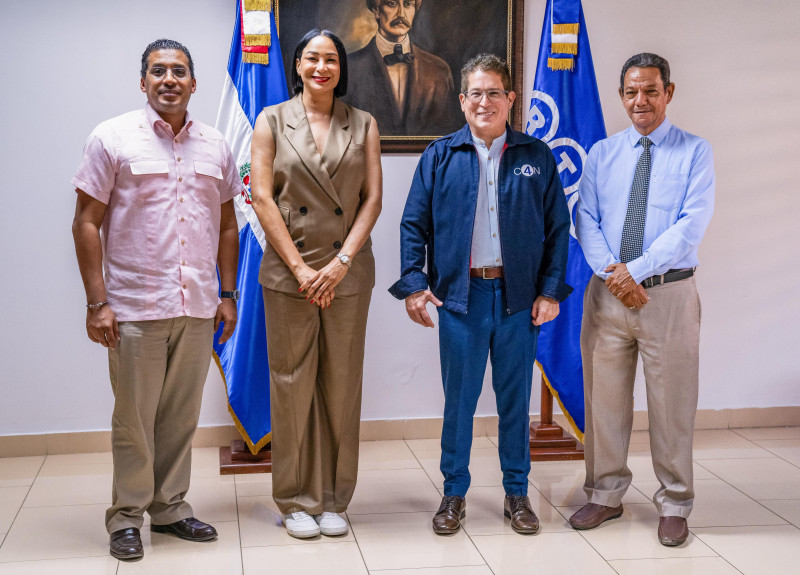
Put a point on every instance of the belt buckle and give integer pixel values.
(483, 273)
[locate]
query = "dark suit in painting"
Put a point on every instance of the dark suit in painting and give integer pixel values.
(430, 104)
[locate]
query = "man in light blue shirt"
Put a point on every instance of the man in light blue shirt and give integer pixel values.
(646, 198)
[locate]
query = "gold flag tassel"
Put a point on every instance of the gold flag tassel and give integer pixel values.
(566, 28)
(257, 5)
(257, 39)
(255, 58)
(561, 64)
(564, 48)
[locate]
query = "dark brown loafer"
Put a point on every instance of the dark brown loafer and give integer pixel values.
(126, 544)
(190, 529)
(672, 530)
(591, 515)
(448, 519)
(523, 519)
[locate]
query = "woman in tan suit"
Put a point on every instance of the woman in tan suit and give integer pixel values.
(316, 184)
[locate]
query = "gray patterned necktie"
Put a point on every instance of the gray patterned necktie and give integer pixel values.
(633, 230)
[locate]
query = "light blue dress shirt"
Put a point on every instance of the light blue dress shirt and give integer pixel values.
(486, 231)
(680, 200)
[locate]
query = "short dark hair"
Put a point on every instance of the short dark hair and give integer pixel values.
(372, 4)
(297, 83)
(646, 60)
(485, 63)
(164, 44)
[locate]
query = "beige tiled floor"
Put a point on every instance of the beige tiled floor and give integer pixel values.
(746, 518)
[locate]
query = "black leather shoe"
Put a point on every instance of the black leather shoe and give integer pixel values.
(126, 544)
(518, 509)
(190, 529)
(448, 519)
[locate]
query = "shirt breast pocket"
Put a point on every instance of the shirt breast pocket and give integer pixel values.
(208, 169)
(666, 191)
(150, 175)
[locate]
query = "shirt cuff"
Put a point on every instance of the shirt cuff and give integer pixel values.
(637, 270)
(410, 283)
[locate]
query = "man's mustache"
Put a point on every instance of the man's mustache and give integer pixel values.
(400, 20)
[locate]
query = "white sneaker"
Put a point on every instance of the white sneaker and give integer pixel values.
(331, 524)
(301, 525)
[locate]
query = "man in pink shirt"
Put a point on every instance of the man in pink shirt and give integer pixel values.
(160, 185)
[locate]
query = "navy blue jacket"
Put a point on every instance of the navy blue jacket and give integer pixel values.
(440, 211)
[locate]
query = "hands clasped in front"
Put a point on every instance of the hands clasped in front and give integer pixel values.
(624, 288)
(319, 285)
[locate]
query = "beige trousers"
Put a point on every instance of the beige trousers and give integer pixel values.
(666, 333)
(316, 360)
(157, 374)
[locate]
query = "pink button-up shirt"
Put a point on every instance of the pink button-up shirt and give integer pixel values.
(161, 227)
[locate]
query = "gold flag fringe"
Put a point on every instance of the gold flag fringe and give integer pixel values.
(566, 414)
(253, 447)
(260, 40)
(255, 58)
(566, 28)
(260, 5)
(564, 48)
(561, 64)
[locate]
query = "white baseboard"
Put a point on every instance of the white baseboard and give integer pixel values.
(431, 428)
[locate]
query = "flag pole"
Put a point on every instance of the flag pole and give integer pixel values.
(549, 441)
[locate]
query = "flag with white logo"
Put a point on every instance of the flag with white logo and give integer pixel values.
(565, 113)
(255, 79)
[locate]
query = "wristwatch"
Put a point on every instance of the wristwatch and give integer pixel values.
(345, 259)
(234, 295)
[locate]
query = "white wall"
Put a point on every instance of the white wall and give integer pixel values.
(65, 66)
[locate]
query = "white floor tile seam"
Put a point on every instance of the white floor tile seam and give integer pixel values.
(238, 524)
(318, 540)
(792, 463)
(21, 506)
(358, 543)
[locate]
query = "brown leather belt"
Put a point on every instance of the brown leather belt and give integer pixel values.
(486, 273)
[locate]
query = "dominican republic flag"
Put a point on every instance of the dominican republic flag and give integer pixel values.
(255, 79)
(565, 113)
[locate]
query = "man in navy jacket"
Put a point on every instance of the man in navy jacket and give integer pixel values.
(486, 212)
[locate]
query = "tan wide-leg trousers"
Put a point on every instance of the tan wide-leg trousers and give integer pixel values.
(157, 374)
(666, 332)
(316, 360)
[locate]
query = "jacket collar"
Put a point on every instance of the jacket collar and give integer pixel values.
(301, 139)
(464, 138)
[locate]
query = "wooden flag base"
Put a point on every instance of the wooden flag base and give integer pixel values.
(238, 459)
(549, 441)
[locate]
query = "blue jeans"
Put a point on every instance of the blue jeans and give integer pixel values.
(465, 341)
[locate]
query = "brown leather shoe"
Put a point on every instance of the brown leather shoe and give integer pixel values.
(448, 519)
(672, 530)
(126, 544)
(523, 519)
(190, 529)
(591, 515)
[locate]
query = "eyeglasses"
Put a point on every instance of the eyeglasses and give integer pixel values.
(475, 96)
(160, 72)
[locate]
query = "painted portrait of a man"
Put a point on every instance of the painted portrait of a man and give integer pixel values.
(408, 90)
(404, 57)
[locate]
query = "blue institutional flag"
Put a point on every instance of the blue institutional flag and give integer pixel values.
(255, 79)
(565, 113)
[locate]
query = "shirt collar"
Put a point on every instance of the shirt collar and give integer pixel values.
(497, 144)
(656, 136)
(160, 126)
(385, 47)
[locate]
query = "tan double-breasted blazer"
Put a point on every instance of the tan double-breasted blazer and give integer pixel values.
(318, 195)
